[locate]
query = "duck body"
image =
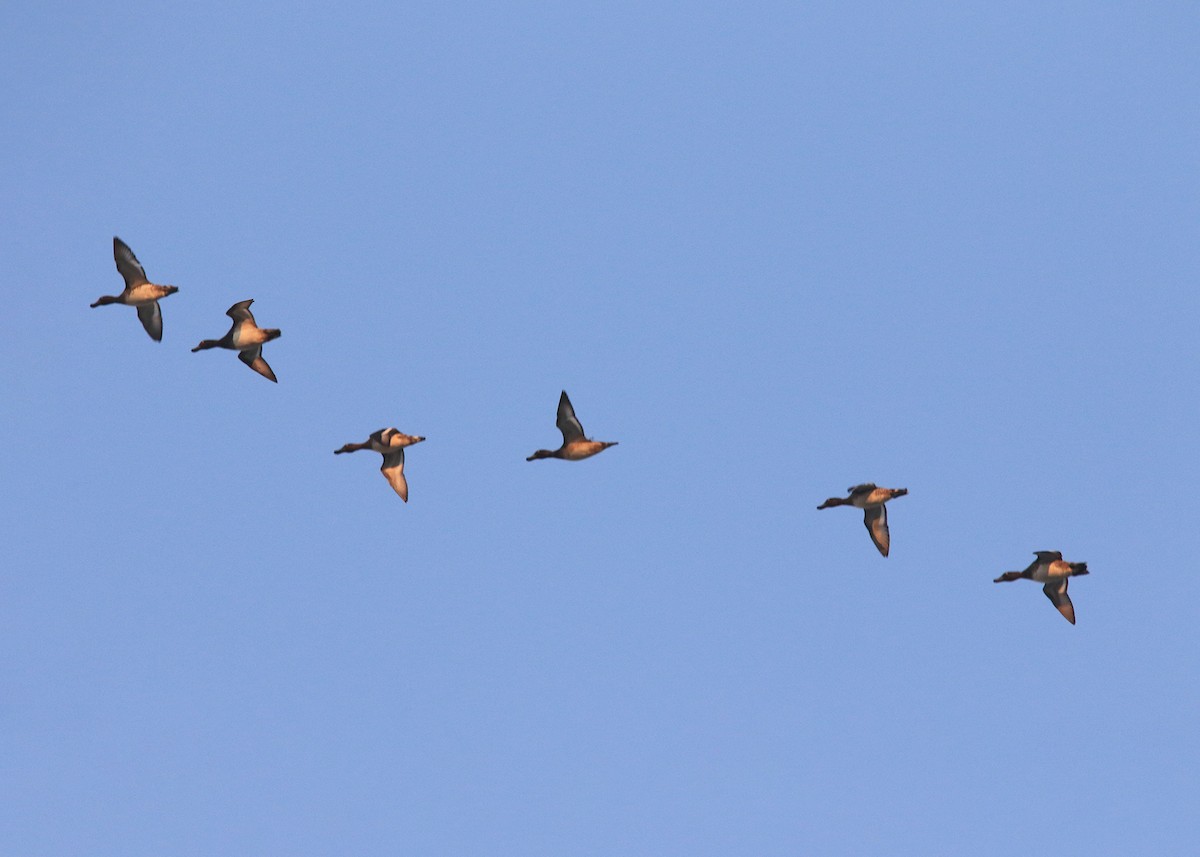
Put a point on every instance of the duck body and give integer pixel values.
(246, 338)
(865, 496)
(576, 446)
(871, 499)
(390, 443)
(139, 292)
(578, 450)
(1052, 570)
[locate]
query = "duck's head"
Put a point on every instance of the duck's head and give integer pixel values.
(106, 299)
(541, 453)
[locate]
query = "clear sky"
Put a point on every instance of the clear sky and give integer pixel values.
(774, 249)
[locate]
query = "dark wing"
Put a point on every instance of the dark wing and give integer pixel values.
(865, 488)
(393, 471)
(130, 268)
(875, 517)
(568, 424)
(240, 311)
(1056, 591)
(252, 357)
(151, 318)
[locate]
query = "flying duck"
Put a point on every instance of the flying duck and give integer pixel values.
(870, 499)
(246, 338)
(1051, 569)
(575, 445)
(139, 291)
(390, 443)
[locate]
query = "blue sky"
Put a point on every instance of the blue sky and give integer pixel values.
(774, 249)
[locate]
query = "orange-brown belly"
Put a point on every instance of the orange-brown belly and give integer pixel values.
(581, 449)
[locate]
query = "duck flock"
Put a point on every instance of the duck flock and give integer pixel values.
(247, 339)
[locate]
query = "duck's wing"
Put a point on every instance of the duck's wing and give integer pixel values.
(568, 423)
(1056, 591)
(393, 471)
(240, 312)
(875, 518)
(151, 318)
(252, 357)
(865, 488)
(130, 268)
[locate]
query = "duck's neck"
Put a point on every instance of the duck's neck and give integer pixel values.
(1013, 575)
(205, 344)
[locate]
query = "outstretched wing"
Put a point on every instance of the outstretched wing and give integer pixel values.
(875, 517)
(1056, 591)
(130, 268)
(240, 311)
(151, 318)
(393, 471)
(568, 424)
(865, 488)
(252, 357)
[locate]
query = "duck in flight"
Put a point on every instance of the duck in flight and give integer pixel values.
(390, 443)
(1052, 570)
(870, 499)
(246, 338)
(575, 445)
(139, 291)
